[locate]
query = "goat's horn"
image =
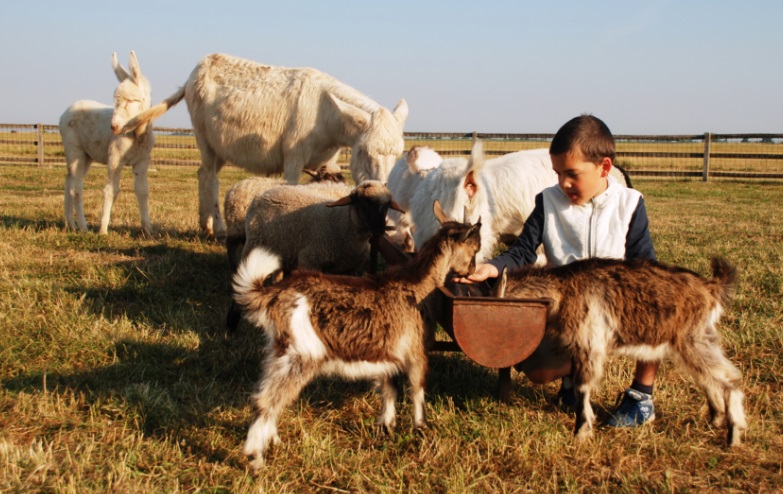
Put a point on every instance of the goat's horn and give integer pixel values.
(396, 207)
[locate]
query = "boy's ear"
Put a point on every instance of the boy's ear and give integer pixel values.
(606, 166)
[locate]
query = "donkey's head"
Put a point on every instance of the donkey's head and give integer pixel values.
(132, 96)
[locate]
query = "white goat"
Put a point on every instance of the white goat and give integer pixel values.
(89, 133)
(356, 328)
(269, 119)
(406, 175)
(645, 310)
(501, 190)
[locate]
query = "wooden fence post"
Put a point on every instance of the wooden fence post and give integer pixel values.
(706, 171)
(40, 144)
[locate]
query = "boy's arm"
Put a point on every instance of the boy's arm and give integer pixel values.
(523, 250)
(638, 242)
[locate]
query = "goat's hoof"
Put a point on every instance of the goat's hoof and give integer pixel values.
(583, 435)
(734, 438)
(256, 462)
(387, 425)
(718, 420)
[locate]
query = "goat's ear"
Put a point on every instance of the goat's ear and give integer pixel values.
(470, 185)
(119, 70)
(473, 230)
(439, 212)
(410, 159)
(475, 165)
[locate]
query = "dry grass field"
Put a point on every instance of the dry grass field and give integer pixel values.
(115, 375)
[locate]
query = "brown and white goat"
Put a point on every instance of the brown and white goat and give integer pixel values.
(647, 311)
(356, 328)
(333, 229)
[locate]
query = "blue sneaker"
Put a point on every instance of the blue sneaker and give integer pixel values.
(635, 409)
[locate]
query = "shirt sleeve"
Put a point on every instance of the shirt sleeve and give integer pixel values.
(523, 250)
(638, 242)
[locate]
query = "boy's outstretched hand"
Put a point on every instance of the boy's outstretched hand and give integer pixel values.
(483, 272)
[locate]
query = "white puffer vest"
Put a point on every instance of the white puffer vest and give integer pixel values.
(595, 229)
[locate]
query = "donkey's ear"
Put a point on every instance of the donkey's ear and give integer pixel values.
(439, 212)
(134, 67)
(119, 70)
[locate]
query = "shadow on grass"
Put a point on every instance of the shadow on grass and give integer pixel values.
(173, 393)
(168, 288)
(41, 224)
(169, 392)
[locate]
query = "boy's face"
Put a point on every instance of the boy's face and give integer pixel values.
(581, 180)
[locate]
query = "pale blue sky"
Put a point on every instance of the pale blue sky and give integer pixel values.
(652, 67)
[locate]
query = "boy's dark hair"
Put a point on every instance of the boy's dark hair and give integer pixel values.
(586, 134)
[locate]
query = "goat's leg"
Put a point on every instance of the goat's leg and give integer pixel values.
(142, 189)
(110, 191)
(388, 392)
(719, 379)
(282, 380)
(417, 377)
(588, 371)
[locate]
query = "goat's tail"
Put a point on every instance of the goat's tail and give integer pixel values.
(148, 116)
(252, 274)
(724, 276)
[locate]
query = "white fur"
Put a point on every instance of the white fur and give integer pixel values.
(90, 133)
(405, 177)
(505, 196)
(304, 341)
(269, 119)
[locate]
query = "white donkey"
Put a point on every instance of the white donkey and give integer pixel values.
(270, 119)
(89, 133)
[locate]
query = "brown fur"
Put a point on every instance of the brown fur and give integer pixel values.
(309, 231)
(601, 306)
(358, 328)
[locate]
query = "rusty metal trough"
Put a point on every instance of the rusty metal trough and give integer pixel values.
(493, 332)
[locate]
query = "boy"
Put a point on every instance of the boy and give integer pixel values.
(587, 214)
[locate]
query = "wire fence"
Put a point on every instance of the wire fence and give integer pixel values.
(701, 156)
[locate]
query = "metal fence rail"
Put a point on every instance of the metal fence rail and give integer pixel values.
(704, 156)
